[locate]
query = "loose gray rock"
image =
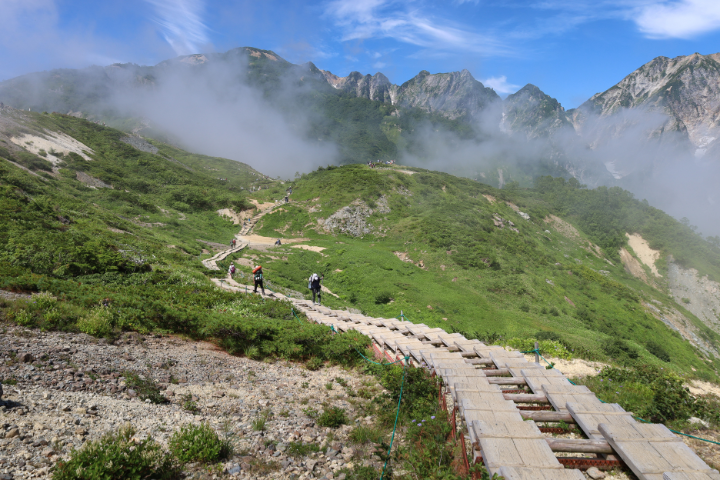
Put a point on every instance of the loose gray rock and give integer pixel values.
(595, 474)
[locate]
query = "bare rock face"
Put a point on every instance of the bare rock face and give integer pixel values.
(453, 95)
(533, 113)
(699, 295)
(90, 181)
(353, 219)
(685, 88)
(139, 143)
(373, 87)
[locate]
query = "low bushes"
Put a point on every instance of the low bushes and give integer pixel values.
(419, 393)
(199, 443)
(118, 455)
(551, 348)
(332, 417)
(263, 337)
(146, 388)
(653, 393)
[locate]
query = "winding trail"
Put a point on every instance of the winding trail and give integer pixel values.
(211, 263)
(503, 400)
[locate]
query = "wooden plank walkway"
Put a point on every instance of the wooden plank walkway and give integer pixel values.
(509, 445)
(654, 453)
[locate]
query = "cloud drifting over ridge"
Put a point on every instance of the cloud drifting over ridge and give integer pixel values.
(500, 85)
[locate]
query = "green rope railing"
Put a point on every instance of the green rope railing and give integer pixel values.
(397, 415)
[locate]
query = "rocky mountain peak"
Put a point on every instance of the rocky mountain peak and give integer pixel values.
(685, 88)
(531, 112)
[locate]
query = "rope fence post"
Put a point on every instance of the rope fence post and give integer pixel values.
(537, 352)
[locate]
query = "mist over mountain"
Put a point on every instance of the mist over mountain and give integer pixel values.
(653, 133)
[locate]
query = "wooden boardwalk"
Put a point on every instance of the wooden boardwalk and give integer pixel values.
(507, 438)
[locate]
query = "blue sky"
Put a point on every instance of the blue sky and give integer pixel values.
(571, 49)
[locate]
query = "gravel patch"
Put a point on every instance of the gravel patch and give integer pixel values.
(70, 389)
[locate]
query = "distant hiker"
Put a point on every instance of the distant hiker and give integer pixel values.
(231, 270)
(258, 277)
(286, 199)
(314, 286)
(278, 242)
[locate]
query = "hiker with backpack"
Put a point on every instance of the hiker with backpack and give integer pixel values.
(314, 286)
(258, 277)
(231, 270)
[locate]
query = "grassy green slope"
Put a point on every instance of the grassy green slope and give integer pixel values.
(179, 201)
(477, 278)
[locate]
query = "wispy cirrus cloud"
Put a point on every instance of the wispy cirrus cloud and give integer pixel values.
(378, 19)
(182, 24)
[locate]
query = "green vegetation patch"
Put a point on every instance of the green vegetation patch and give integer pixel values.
(118, 455)
(199, 443)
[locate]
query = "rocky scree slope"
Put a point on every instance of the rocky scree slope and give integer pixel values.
(70, 389)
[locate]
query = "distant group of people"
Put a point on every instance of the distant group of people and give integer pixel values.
(379, 162)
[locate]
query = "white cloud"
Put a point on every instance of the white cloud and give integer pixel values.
(500, 85)
(182, 24)
(654, 18)
(365, 19)
(678, 19)
(379, 65)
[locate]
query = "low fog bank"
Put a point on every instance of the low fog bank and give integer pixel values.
(212, 111)
(632, 150)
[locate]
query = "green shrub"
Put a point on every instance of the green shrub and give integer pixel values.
(428, 452)
(118, 455)
(24, 317)
(550, 348)
(300, 449)
(314, 363)
(652, 393)
(419, 393)
(33, 162)
(52, 316)
(620, 351)
(198, 443)
(97, 323)
(657, 350)
(383, 298)
(43, 301)
(366, 434)
(259, 422)
(548, 335)
(188, 404)
(146, 388)
(332, 417)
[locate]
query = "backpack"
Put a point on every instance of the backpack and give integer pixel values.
(258, 275)
(232, 269)
(312, 279)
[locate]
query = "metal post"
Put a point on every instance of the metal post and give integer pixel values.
(537, 354)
